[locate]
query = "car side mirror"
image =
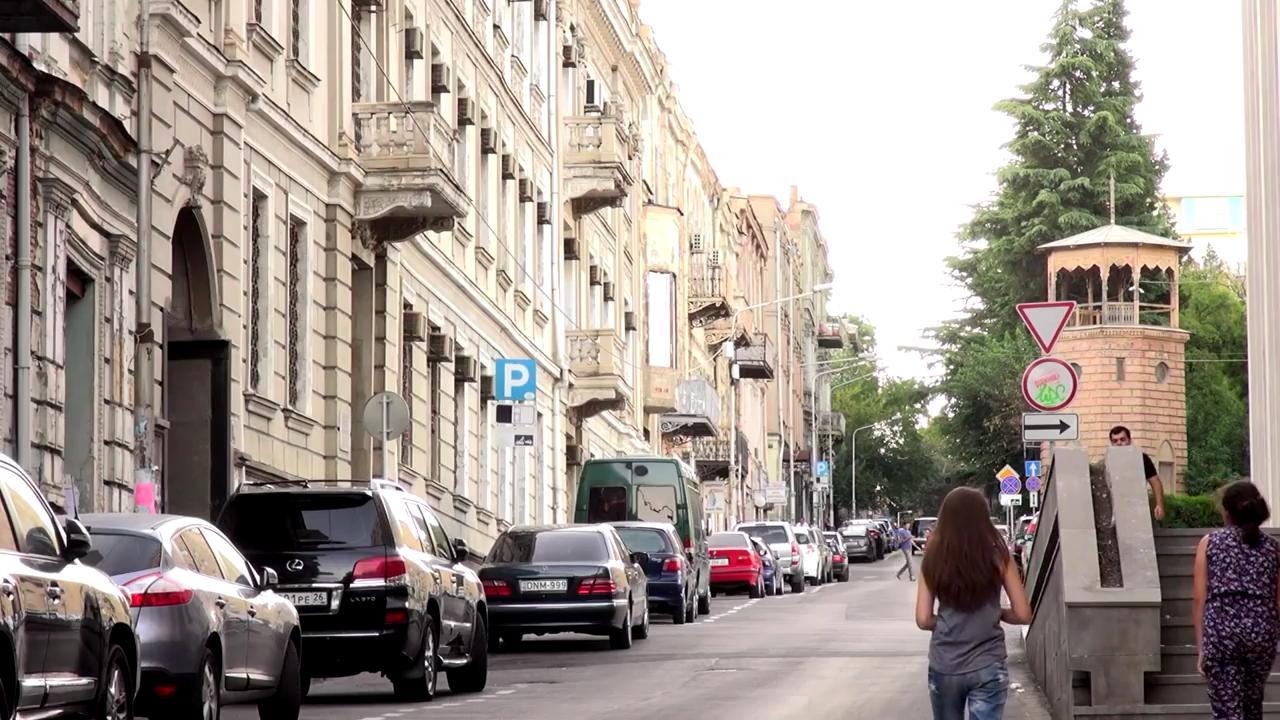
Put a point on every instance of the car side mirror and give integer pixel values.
(269, 579)
(640, 558)
(79, 542)
(460, 550)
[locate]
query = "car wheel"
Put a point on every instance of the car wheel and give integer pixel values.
(424, 687)
(844, 576)
(797, 583)
(691, 611)
(641, 631)
(756, 590)
(768, 589)
(115, 701)
(681, 615)
(620, 638)
(704, 603)
(286, 704)
(475, 675)
(205, 702)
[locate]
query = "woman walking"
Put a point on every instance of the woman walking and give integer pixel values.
(964, 569)
(1235, 586)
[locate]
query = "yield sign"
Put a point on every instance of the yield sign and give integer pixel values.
(1045, 320)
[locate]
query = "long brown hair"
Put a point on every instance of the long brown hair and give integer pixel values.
(965, 559)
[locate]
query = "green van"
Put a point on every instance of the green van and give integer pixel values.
(649, 489)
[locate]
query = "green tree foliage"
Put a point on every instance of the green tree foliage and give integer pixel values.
(1213, 310)
(1075, 130)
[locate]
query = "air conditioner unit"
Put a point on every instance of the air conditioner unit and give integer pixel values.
(525, 187)
(695, 243)
(439, 347)
(508, 167)
(573, 454)
(415, 326)
(571, 249)
(440, 79)
(540, 10)
(570, 54)
(486, 387)
(595, 276)
(464, 368)
(466, 111)
(412, 43)
(608, 291)
(489, 141)
(544, 213)
(629, 321)
(715, 257)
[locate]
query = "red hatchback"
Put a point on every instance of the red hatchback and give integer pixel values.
(735, 564)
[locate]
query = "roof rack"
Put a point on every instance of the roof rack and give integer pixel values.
(373, 483)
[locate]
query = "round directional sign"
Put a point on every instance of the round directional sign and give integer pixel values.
(1049, 384)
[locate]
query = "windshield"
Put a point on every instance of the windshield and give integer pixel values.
(646, 540)
(772, 534)
(729, 540)
(549, 547)
(120, 554)
(802, 537)
(302, 521)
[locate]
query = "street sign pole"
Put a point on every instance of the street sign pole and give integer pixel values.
(385, 402)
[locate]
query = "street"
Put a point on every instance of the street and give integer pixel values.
(844, 650)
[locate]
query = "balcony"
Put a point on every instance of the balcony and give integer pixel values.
(660, 390)
(1121, 313)
(757, 359)
(831, 423)
(412, 172)
(708, 292)
(40, 16)
(599, 154)
(711, 457)
(831, 335)
(597, 359)
(697, 410)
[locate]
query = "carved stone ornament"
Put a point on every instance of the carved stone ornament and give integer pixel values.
(195, 164)
(364, 234)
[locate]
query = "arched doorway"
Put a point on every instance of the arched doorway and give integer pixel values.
(197, 378)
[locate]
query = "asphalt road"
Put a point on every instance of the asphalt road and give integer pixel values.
(846, 650)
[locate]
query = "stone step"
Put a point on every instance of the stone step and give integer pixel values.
(1178, 659)
(1189, 688)
(1177, 631)
(1184, 711)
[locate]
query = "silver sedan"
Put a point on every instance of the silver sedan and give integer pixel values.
(211, 629)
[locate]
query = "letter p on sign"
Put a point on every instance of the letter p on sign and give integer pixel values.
(516, 380)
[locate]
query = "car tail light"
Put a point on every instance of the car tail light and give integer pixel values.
(795, 551)
(157, 590)
(672, 564)
(741, 557)
(597, 586)
(396, 617)
(388, 568)
(688, 544)
(837, 558)
(496, 588)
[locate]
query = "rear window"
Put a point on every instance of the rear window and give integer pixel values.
(656, 503)
(120, 554)
(549, 547)
(646, 540)
(273, 522)
(607, 503)
(772, 534)
(729, 540)
(802, 537)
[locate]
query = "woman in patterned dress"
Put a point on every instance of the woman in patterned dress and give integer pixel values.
(1234, 605)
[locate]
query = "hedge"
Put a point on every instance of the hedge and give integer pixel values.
(1191, 511)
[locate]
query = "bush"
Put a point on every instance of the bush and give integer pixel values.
(1191, 511)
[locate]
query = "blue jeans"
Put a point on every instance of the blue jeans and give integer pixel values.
(983, 691)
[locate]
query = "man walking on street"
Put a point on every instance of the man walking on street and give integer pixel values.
(1120, 437)
(904, 544)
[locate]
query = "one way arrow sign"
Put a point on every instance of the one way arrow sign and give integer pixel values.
(1050, 427)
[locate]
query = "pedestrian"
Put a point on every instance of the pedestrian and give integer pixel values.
(1235, 585)
(904, 544)
(958, 600)
(1121, 437)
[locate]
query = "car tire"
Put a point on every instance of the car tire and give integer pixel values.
(768, 589)
(704, 603)
(286, 704)
(475, 675)
(844, 576)
(681, 615)
(797, 583)
(206, 700)
(423, 688)
(756, 591)
(691, 612)
(641, 631)
(304, 683)
(495, 639)
(115, 699)
(620, 638)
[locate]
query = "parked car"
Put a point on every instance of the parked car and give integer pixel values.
(839, 561)
(857, 543)
(672, 584)
(378, 584)
(650, 489)
(920, 529)
(69, 646)
(810, 555)
(735, 564)
(773, 584)
(781, 538)
(211, 629)
(887, 532)
(874, 534)
(558, 579)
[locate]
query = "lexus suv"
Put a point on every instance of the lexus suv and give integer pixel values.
(378, 584)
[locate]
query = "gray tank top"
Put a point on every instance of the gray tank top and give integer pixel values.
(965, 642)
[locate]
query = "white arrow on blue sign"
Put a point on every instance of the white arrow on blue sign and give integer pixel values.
(1032, 468)
(516, 380)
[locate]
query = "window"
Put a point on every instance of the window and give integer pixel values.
(298, 22)
(296, 311)
(419, 514)
(656, 503)
(410, 91)
(439, 537)
(486, 449)
(607, 503)
(1162, 372)
(460, 437)
(660, 294)
(120, 553)
(302, 522)
(1120, 369)
(33, 523)
(550, 546)
(234, 567)
(437, 462)
(259, 247)
(407, 529)
(406, 389)
(261, 10)
(646, 540)
(731, 540)
(198, 553)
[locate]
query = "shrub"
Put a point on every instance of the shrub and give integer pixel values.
(1191, 511)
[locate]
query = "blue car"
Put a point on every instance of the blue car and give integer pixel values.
(773, 580)
(672, 583)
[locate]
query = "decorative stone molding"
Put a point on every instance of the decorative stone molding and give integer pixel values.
(195, 164)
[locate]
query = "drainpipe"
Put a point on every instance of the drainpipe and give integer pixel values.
(143, 361)
(557, 266)
(22, 264)
(777, 333)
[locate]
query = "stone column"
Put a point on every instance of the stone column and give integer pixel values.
(1262, 158)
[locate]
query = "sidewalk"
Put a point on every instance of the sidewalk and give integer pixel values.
(1026, 701)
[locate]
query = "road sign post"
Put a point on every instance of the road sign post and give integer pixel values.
(1049, 384)
(1046, 320)
(385, 416)
(1050, 427)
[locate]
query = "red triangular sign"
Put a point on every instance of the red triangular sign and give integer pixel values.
(1046, 320)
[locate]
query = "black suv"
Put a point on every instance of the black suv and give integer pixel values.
(66, 639)
(378, 584)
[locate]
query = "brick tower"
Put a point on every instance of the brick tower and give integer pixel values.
(1124, 340)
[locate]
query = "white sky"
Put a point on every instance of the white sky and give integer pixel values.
(881, 113)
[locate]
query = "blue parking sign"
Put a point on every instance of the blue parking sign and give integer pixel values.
(516, 380)
(824, 469)
(1032, 468)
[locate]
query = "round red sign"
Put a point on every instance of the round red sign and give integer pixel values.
(1049, 384)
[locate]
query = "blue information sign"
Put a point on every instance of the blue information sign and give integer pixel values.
(516, 380)
(1032, 469)
(824, 469)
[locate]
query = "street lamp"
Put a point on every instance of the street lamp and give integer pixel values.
(853, 466)
(813, 445)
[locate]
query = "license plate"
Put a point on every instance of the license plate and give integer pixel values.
(314, 598)
(544, 585)
(719, 562)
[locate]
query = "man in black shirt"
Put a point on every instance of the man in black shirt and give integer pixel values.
(1120, 437)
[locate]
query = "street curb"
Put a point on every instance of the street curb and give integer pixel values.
(1026, 700)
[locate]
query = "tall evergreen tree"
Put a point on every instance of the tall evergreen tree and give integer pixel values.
(1074, 131)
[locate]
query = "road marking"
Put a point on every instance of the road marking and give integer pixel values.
(505, 692)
